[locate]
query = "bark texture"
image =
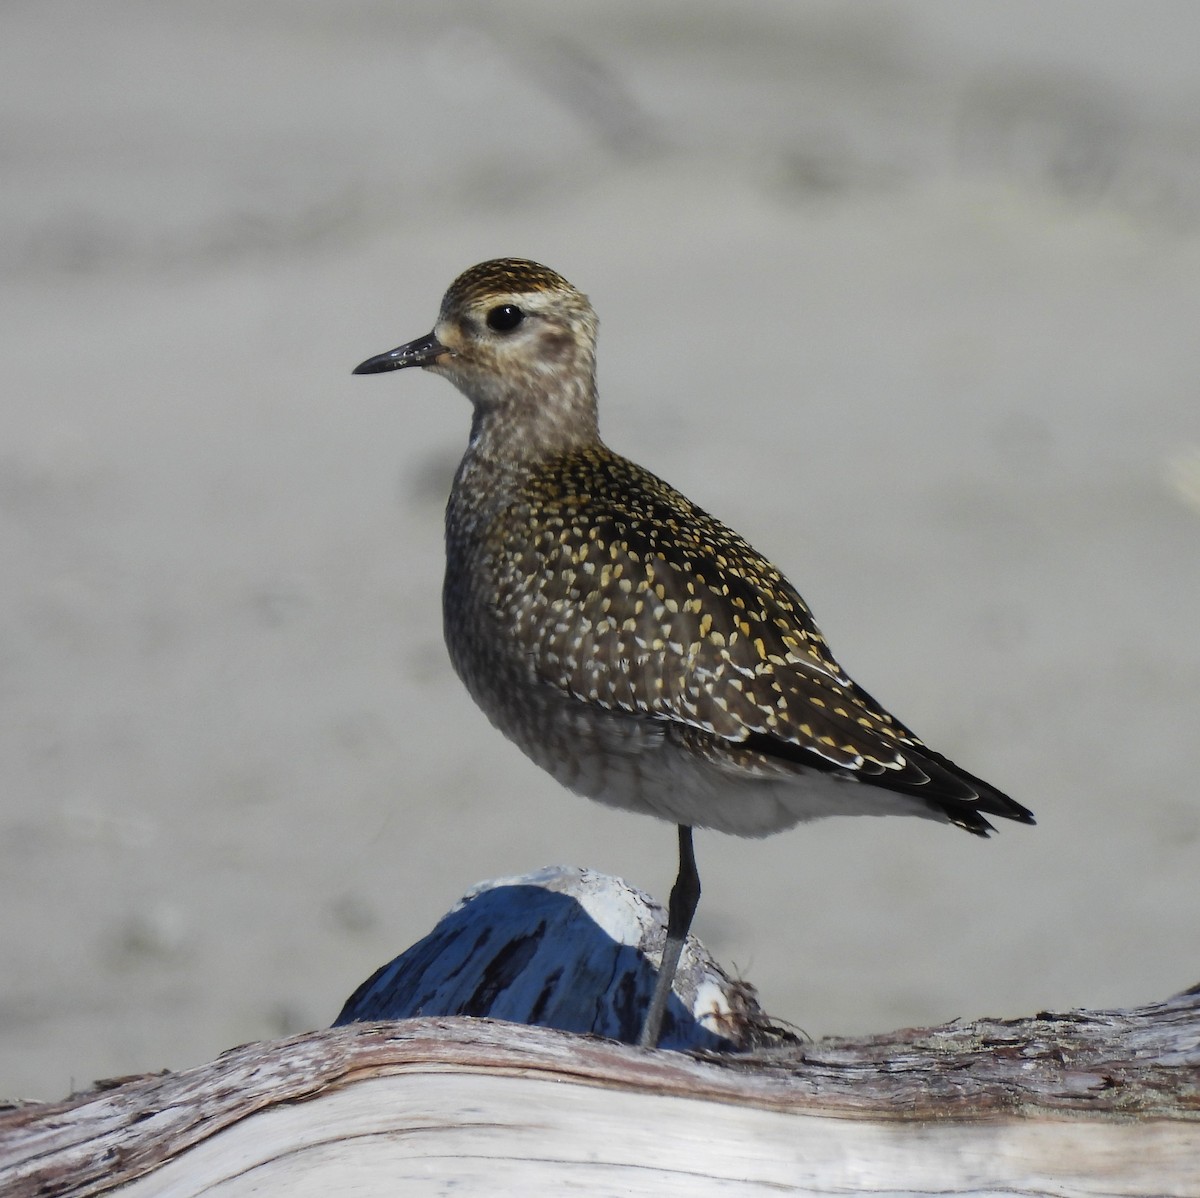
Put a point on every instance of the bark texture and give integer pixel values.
(1069, 1103)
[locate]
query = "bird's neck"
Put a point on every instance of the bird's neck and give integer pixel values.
(516, 431)
(511, 443)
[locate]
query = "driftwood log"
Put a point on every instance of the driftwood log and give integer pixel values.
(1075, 1103)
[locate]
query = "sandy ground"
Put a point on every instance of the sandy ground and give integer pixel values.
(907, 292)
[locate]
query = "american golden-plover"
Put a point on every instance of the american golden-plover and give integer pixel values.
(631, 644)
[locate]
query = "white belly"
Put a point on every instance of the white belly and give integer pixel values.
(630, 763)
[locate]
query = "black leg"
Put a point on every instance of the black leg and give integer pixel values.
(685, 894)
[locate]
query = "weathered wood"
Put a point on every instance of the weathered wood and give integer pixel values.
(1080, 1103)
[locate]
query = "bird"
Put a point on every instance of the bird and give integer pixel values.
(630, 643)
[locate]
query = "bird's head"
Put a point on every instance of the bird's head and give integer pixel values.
(519, 341)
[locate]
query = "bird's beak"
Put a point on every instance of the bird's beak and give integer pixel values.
(425, 351)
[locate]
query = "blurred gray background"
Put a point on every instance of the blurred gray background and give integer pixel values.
(906, 292)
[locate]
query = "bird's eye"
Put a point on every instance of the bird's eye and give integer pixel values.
(504, 318)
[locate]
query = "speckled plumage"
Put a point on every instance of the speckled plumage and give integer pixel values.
(632, 644)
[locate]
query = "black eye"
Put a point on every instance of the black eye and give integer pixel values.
(505, 317)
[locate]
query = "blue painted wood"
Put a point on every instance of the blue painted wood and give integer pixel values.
(564, 948)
